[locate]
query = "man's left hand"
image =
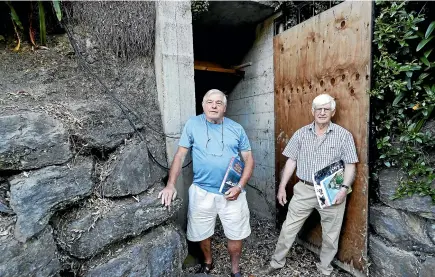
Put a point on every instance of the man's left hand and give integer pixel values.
(233, 193)
(340, 197)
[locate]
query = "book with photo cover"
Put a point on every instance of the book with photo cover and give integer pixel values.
(327, 183)
(233, 175)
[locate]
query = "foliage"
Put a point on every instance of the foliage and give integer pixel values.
(295, 12)
(403, 94)
(16, 22)
(19, 26)
(42, 28)
(57, 9)
(198, 8)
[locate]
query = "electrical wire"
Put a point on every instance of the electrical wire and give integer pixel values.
(120, 105)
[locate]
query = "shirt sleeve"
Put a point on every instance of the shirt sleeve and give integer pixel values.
(348, 149)
(186, 139)
(293, 146)
(244, 144)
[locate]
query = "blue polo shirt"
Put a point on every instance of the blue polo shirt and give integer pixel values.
(210, 153)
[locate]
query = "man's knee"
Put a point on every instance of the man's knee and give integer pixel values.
(330, 241)
(234, 246)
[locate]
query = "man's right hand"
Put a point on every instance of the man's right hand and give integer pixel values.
(168, 194)
(282, 196)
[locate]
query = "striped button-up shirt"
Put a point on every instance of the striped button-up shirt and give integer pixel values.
(312, 152)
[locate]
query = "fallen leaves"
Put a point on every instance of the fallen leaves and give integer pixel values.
(257, 251)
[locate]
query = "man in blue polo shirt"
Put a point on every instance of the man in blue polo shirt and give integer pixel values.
(214, 140)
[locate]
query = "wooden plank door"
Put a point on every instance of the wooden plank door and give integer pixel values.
(329, 53)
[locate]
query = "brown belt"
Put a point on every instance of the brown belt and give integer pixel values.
(307, 183)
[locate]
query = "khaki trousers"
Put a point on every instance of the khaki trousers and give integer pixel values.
(301, 205)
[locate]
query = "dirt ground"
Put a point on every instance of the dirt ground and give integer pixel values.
(257, 250)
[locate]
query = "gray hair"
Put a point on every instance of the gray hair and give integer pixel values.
(215, 91)
(323, 99)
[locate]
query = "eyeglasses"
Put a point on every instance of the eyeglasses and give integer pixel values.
(208, 140)
(325, 110)
(218, 103)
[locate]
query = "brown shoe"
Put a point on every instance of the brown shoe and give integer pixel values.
(265, 270)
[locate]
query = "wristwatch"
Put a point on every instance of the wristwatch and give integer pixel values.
(240, 186)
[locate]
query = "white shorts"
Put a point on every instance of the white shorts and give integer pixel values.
(203, 208)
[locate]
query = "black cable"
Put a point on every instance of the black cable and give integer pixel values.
(120, 105)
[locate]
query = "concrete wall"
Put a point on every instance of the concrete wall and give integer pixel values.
(251, 103)
(175, 80)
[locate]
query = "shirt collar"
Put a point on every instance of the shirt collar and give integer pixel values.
(331, 127)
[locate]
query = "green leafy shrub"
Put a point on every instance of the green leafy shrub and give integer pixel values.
(403, 94)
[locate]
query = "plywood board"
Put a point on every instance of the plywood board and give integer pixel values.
(329, 53)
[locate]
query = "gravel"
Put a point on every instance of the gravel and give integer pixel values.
(257, 250)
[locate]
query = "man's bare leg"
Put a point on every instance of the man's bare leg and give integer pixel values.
(235, 250)
(206, 250)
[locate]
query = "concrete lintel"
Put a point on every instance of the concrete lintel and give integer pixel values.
(235, 13)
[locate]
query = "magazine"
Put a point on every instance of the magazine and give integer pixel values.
(327, 183)
(233, 175)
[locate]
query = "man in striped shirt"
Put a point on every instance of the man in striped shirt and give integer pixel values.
(310, 149)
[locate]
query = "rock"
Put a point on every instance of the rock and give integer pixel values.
(159, 253)
(428, 267)
(201, 275)
(430, 228)
(130, 173)
(37, 257)
(389, 261)
(37, 195)
(104, 126)
(32, 140)
(88, 230)
(4, 208)
(388, 182)
(4, 199)
(404, 230)
(429, 127)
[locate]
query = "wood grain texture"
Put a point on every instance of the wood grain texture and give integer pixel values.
(329, 53)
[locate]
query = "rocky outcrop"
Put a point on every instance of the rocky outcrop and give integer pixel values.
(428, 267)
(75, 141)
(87, 231)
(403, 239)
(37, 195)
(129, 172)
(4, 198)
(104, 126)
(158, 253)
(32, 140)
(36, 257)
(388, 261)
(404, 230)
(388, 182)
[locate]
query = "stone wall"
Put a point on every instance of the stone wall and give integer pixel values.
(78, 190)
(402, 237)
(251, 104)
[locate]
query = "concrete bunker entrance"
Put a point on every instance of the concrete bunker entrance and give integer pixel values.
(218, 51)
(222, 37)
(237, 57)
